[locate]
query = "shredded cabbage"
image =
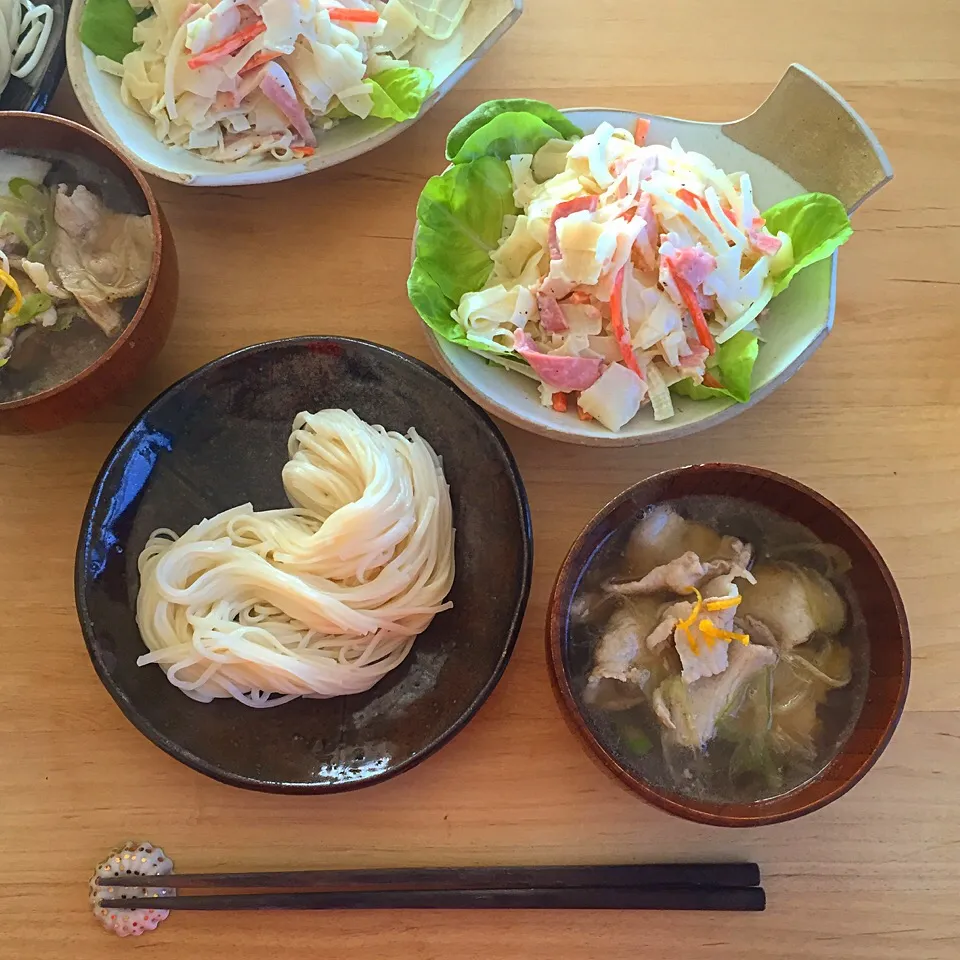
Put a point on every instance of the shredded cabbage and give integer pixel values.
(659, 394)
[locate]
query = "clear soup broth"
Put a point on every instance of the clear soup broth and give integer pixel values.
(99, 263)
(704, 683)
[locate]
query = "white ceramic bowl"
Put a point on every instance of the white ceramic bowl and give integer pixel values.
(774, 146)
(484, 22)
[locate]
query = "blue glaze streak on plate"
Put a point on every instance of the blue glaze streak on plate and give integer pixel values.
(146, 445)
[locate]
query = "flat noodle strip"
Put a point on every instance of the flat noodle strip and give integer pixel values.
(317, 600)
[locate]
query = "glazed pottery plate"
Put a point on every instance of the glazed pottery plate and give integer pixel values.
(803, 138)
(484, 22)
(33, 92)
(218, 438)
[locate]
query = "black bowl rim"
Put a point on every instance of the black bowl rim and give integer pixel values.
(670, 802)
(210, 769)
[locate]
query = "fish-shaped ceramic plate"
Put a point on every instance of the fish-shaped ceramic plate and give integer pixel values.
(804, 137)
(483, 24)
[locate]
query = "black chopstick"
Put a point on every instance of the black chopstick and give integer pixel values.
(631, 875)
(535, 898)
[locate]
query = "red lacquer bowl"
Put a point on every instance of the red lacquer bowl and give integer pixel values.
(872, 582)
(147, 331)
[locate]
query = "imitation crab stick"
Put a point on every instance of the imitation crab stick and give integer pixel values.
(345, 15)
(619, 327)
(692, 200)
(259, 59)
(689, 297)
(227, 46)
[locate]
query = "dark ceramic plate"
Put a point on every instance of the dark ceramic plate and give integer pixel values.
(34, 91)
(218, 438)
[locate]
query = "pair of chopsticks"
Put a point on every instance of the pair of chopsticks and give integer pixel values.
(658, 886)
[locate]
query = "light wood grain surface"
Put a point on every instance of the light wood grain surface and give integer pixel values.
(872, 422)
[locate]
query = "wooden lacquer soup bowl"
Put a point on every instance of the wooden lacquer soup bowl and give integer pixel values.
(869, 580)
(141, 339)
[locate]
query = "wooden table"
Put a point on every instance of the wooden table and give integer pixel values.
(872, 422)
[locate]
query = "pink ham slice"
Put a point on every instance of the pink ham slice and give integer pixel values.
(694, 264)
(551, 316)
(248, 83)
(188, 11)
(563, 374)
(764, 242)
(564, 209)
(276, 86)
(696, 358)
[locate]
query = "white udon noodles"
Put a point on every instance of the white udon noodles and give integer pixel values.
(25, 29)
(317, 600)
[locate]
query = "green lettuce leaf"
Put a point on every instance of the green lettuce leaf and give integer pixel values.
(505, 135)
(338, 111)
(435, 308)
(398, 93)
(816, 223)
(459, 219)
(460, 215)
(106, 28)
(486, 112)
(429, 301)
(732, 365)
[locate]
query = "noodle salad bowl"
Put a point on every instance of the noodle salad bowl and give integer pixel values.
(605, 277)
(826, 628)
(451, 39)
(218, 439)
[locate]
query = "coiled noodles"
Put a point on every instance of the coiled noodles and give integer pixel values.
(316, 600)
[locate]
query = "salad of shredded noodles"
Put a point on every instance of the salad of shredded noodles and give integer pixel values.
(242, 79)
(624, 272)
